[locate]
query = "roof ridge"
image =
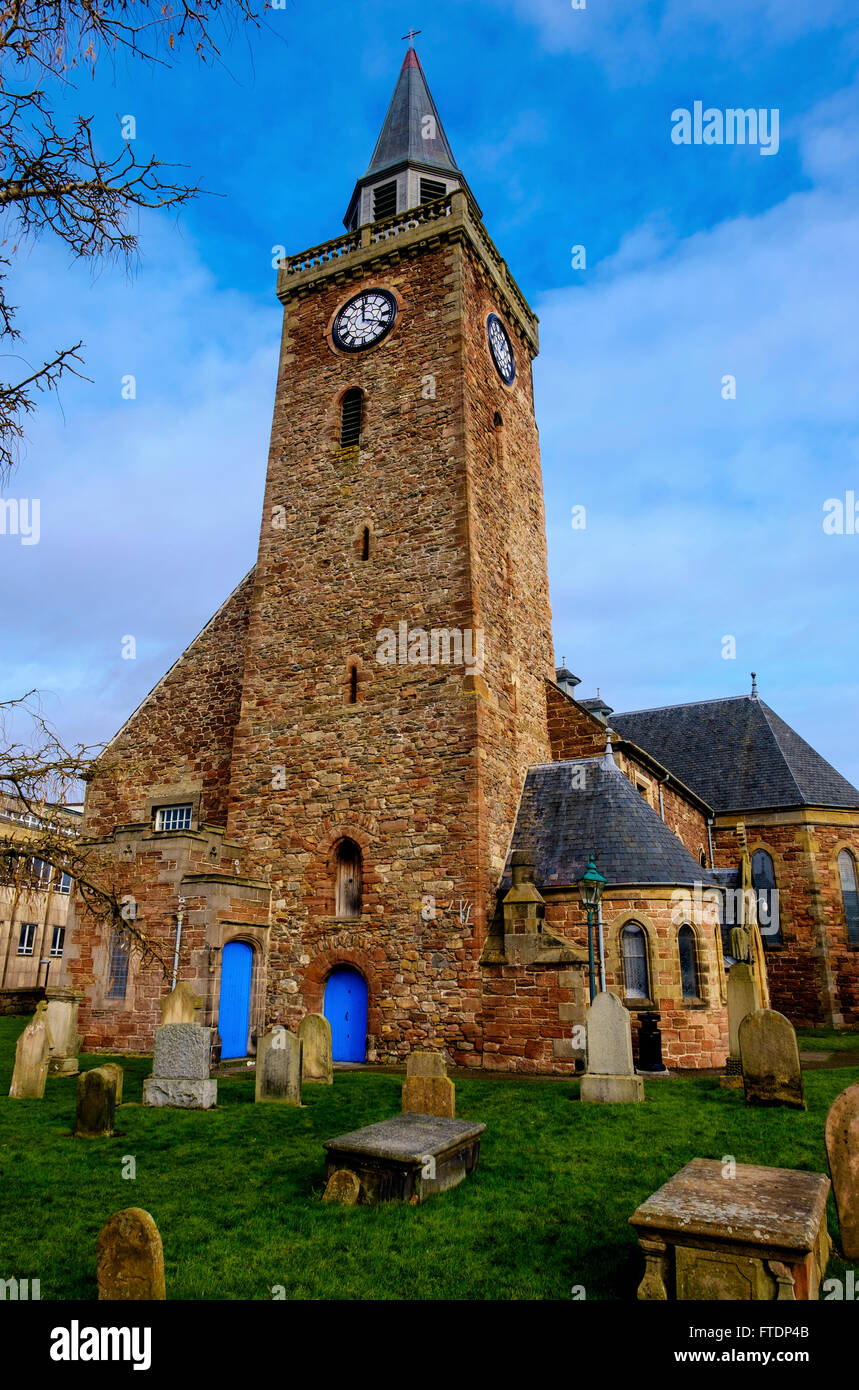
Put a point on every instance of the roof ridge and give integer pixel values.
(683, 704)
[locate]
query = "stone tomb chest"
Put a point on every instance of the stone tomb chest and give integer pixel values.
(760, 1234)
(407, 1158)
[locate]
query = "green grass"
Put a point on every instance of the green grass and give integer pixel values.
(827, 1040)
(236, 1191)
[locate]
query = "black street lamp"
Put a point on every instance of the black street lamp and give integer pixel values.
(591, 885)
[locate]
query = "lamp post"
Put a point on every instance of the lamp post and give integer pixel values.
(591, 885)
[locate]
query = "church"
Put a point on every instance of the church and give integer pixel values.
(365, 789)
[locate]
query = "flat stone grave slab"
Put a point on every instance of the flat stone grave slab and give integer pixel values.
(407, 1158)
(758, 1235)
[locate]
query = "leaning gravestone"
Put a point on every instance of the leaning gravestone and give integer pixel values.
(314, 1034)
(842, 1148)
(610, 1077)
(278, 1070)
(770, 1057)
(61, 1016)
(32, 1055)
(114, 1070)
(96, 1104)
(180, 1068)
(427, 1089)
(130, 1258)
(742, 1000)
(343, 1187)
(182, 1006)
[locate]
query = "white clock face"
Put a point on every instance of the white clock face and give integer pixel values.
(365, 320)
(501, 349)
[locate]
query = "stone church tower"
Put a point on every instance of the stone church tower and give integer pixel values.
(399, 629)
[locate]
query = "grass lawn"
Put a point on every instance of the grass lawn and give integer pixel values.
(235, 1191)
(827, 1040)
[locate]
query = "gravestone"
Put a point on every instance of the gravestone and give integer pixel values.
(314, 1034)
(770, 1058)
(32, 1055)
(842, 1149)
(96, 1104)
(742, 1000)
(407, 1158)
(758, 1233)
(114, 1070)
(344, 1187)
(180, 1068)
(182, 1006)
(61, 1017)
(427, 1089)
(610, 1077)
(130, 1258)
(278, 1072)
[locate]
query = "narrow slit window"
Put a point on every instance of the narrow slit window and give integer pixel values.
(353, 685)
(351, 411)
(349, 880)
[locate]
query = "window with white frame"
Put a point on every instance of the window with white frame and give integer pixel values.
(27, 938)
(58, 937)
(40, 871)
(63, 883)
(173, 817)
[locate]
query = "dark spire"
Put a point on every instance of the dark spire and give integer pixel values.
(412, 149)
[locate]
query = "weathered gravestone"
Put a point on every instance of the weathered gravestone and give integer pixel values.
(753, 1233)
(427, 1090)
(180, 1068)
(96, 1104)
(32, 1055)
(182, 1006)
(61, 1017)
(610, 1077)
(405, 1159)
(842, 1149)
(343, 1187)
(770, 1057)
(314, 1034)
(130, 1258)
(114, 1071)
(278, 1071)
(742, 1000)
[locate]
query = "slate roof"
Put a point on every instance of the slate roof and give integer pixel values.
(737, 754)
(562, 823)
(401, 139)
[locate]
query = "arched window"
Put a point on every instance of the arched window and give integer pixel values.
(351, 410)
(763, 882)
(849, 895)
(117, 968)
(635, 973)
(348, 880)
(689, 982)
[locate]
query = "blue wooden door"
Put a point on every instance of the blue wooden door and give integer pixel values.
(234, 1012)
(345, 1008)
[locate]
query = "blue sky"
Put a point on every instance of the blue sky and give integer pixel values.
(704, 515)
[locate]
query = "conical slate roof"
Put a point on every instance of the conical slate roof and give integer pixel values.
(737, 754)
(403, 136)
(570, 810)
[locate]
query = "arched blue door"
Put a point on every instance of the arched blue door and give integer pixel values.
(345, 1007)
(234, 1012)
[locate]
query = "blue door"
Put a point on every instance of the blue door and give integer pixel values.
(345, 1008)
(234, 1012)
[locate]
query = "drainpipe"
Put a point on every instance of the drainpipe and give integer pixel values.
(178, 940)
(601, 948)
(710, 838)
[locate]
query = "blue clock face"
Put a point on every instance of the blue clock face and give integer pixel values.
(501, 349)
(364, 320)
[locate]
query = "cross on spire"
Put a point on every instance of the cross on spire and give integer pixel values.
(412, 35)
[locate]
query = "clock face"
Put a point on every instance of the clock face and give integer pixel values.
(501, 349)
(365, 320)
